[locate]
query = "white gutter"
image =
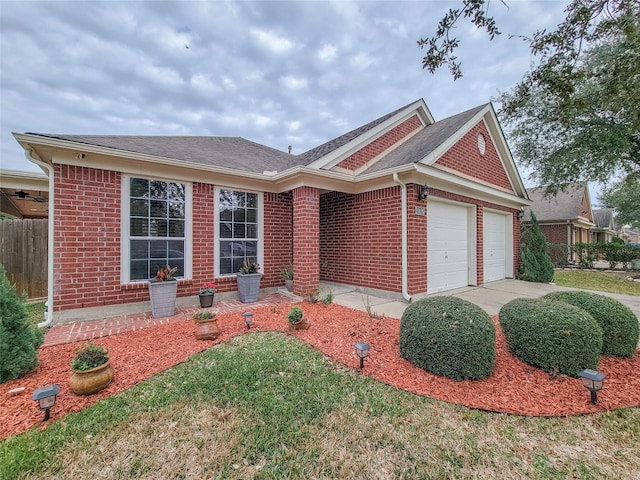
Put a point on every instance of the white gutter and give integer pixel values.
(405, 267)
(33, 157)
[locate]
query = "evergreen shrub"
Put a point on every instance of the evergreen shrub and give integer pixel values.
(536, 265)
(619, 324)
(450, 337)
(550, 335)
(19, 341)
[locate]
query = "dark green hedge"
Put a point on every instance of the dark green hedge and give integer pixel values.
(619, 324)
(450, 337)
(553, 336)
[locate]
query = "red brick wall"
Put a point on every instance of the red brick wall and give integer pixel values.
(554, 233)
(306, 245)
(360, 239)
(87, 234)
(465, 157)
(381, 144)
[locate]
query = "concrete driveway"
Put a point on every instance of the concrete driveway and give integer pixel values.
(490, 297)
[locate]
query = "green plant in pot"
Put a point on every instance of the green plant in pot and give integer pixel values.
(248, 279)
(91, 368)
(206, 325)
(296, 318)
(206, 293)
(163, 290)
(287, 275)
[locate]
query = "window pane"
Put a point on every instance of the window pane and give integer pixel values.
(176, 210)
(251, 250)
(225, 266)
(239, 230)
(252, 215)
(252, 200)
(176, 228)
(139, 227)
(159, 209)
(139, 187)
(252, 231)
(159, 228)
(158, 189)
(237, 264)
(139, 270)
(176, 192)
(139, 249)
(139, 207)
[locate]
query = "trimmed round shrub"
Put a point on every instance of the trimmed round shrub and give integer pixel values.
(553, 336)
(450, 337)
(620, 329)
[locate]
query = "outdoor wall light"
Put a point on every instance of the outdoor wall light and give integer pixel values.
(424, 192)
(362, 351)
(248, 319)
(592, 380)
(521, 214)
(46, 398)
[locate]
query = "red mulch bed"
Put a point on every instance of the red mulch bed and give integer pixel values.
(514, 386)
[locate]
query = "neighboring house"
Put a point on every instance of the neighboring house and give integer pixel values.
(565, 217)
(355, 210)
(605, 229)
(24, 194)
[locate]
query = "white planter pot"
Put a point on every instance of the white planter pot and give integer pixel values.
(248, 287)
(163, 298)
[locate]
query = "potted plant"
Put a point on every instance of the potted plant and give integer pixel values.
(287, 276)
(297, 320)
(207, 325)
(207, 291)
(162, 291)
(248, 279)
(92, 371)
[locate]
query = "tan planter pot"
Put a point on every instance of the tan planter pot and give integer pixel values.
(91, 381)
(207, 329)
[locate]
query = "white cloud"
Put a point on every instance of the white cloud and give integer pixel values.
(292, 83)
(327, 53)
(271, 41)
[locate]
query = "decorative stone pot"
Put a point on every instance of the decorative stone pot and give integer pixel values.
(206, 299)
(207, 329)
(163, 298)
(248, 286)
(289, 285)
(91, 381)
(303, 324)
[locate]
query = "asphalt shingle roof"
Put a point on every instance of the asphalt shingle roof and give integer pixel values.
(603, 217)
(564, 205)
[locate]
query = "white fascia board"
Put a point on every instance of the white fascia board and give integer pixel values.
(336, 156)
(24, 180)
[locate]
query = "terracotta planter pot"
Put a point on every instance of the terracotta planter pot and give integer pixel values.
(91, 381)
(303, 324)
(206, 299)
(207, 329)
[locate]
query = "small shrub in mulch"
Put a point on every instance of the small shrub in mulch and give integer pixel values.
(553, 336)
(450, 337)
(618, 322)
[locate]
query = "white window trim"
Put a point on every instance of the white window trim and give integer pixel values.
(216, 227)
(124, 227)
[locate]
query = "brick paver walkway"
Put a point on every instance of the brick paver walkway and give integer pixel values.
(91, 329)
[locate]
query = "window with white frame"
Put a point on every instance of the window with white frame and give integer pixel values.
(157, 218)
(238, 229)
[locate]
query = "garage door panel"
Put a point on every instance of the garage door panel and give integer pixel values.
(495, 247)
(448, 249)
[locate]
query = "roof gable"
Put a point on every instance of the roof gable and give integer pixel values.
(603, 218)
(569, 204)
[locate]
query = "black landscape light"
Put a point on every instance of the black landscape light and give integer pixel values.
(248, 319)
(592, 380)
(362, 350)
(46, 398)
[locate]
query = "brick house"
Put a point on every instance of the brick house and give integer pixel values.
(403, 205)
(565, 217)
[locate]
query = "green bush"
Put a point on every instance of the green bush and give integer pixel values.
(19, 341)
(619, 324)
(553, 336)
(535, 265)
(450, 337)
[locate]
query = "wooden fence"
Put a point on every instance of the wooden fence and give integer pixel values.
(23, 253)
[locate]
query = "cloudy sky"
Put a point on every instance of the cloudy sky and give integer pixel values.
(277, 73)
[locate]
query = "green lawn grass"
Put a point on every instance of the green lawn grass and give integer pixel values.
(35, 312)
(267, 405)
(611, 282)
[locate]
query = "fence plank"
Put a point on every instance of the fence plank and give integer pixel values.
(23, 253)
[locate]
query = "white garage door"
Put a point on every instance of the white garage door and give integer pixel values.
(495, 246)
(447, 247)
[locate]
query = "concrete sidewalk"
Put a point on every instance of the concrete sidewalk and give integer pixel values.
(490, 297)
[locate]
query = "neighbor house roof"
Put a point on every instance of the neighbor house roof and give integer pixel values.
(603, 218)
(561, 206)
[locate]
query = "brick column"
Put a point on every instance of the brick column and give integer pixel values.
(306, 240)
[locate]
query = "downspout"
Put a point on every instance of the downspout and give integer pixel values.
(33, 157)
(405, 267)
